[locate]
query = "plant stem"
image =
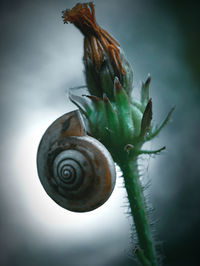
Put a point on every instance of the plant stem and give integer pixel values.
(129, 168)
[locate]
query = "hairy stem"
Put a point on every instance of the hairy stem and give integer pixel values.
(138, 210)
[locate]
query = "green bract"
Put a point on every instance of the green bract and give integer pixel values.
(121, 123)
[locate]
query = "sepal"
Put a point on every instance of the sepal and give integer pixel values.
(146, 119)
(145, 91)
(157, 130)
(123, 110)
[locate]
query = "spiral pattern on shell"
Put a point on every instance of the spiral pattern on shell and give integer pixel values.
(68, 169)
(76, 170)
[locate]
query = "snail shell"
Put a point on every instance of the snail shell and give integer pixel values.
(76, 170)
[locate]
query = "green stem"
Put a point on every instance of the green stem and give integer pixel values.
(138, 209)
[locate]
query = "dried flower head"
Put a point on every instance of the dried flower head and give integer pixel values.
(97, 40)
(102, 53)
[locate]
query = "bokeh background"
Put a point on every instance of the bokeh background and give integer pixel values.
(40, 59)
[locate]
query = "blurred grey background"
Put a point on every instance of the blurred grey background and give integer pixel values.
(40, 58)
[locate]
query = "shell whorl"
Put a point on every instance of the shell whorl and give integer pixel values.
(68, 169)
(76, 170)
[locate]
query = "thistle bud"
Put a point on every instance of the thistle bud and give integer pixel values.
(103, 58)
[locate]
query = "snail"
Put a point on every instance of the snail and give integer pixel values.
(75, 169)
